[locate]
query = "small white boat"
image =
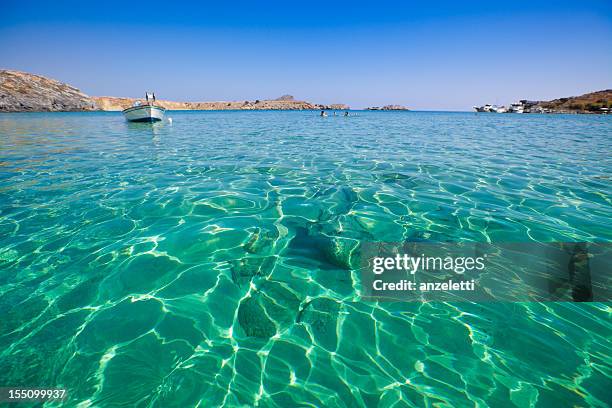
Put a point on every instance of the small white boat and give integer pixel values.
(485, 108)
(148, 112)
(517, 108)
(498, 109)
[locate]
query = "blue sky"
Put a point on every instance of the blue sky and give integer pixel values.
(426, 55)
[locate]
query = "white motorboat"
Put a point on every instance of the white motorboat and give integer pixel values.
(147, 112)
(498, 109)
(485, 108)
(517, 108)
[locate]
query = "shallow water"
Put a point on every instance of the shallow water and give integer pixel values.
(211, 261)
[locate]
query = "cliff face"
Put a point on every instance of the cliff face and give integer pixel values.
(286, 102)
(20, 91)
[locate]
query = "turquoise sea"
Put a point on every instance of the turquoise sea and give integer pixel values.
(210, 262)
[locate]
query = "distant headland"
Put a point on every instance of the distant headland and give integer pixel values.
(24, 92)
(599, 102)
(286, 102)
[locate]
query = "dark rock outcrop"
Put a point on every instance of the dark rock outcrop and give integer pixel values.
(268, 311)
(23, 92)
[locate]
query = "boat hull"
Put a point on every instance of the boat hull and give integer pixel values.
(145, 113)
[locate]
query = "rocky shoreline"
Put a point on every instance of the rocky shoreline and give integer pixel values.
(109, 103)
(598, 102)
(24, 92)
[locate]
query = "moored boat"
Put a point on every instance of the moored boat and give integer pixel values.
(147, 112)
(485, 108)
(498, 109)
(517, 108)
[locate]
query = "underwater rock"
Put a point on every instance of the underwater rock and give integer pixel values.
(397, 178)
(81, 295)
(253, 319)
(339, 251)
(322, 316)
(245, 269)
(268, 310)
(309, 243)
(8, 255)
(261, 241)
(343, 198)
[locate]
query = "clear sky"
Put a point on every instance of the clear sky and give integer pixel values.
(443, 55)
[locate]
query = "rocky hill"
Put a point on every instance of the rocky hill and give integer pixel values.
(594, 102)
(20, 91)
(23, 92)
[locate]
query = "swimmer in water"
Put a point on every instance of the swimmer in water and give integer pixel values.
(346, 113)
(323, 114)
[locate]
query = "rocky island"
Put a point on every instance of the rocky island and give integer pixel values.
(388, 108)
(24, 92)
